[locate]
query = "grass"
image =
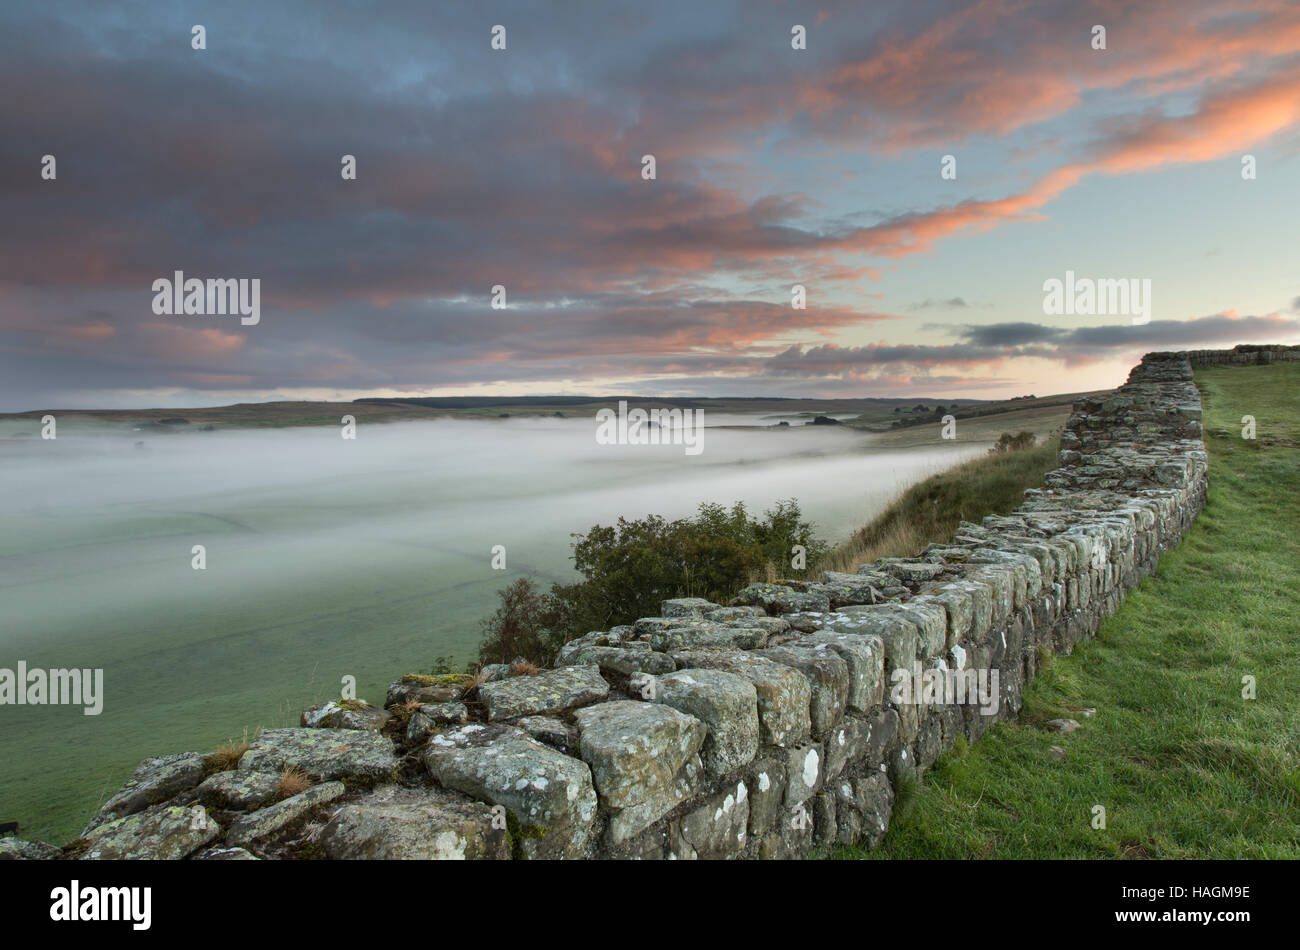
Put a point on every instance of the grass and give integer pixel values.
(1183, 764)
(229, 753)
(293, 781)
(930, 510)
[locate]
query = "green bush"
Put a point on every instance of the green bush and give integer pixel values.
(629, 567)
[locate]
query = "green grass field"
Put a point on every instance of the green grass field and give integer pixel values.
(1184, 766)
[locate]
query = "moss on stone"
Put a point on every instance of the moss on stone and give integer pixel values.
(443, 679)
(517, 834)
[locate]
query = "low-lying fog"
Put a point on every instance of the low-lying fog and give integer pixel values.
(325, 557)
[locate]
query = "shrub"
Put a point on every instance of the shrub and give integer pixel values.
(525, 626)
(1012, 443)
(629, 567)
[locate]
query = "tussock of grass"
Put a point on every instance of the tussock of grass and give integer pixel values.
(1183, 764)
(292, 782)
(930, 511)
(228, 754)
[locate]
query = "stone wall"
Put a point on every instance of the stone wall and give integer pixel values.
(759, 729)
(1246, 354)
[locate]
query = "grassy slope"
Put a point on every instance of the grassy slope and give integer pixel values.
(930, 510)
(1185, 767)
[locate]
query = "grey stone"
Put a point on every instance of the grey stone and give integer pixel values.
(804, 772)
(635, 749)
(719, 828)
(345, 714)
(431, 716)
(784, 695)
(723, 614)
(865, 807)
(779, 599)
(160, 833)
(237, 790)
(958, 611)
(898, 633)
(765, 780)
(626, 823)
(393, 823)
(848, 589)
(323, 754)
(864, 655)
(883, 730)
(226, 854)
(619, 660)
(725, 702)
(717, 636)
(547, 692)
(828, 680)
(549, 794)
(267, 821)
(791, 836)
(686, 607)
(16, 849)
(823, 812)
(554, 732)
(154, 781)
(845, 744)
(439, 688)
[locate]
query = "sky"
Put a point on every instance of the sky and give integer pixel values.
(523, 167)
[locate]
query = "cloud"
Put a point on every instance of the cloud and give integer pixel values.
(475, 170)
(952, 303)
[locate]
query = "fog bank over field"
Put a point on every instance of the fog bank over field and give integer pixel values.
(327, 557)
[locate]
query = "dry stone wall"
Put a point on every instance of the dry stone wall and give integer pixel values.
(757, 729)
(1247, 354)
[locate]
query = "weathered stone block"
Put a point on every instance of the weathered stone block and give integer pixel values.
(634, 748)
(154, 780)
(620, 660)
(719, 828)
(784, 694)
(393, 823)
(777, 599)
(864, 655)
(897, 632)
(828, 680)
(160, 833)
(959, 611)
(441, 688)
(551, 691)
(686, 607)
(804, 772)
(765, 779)
(345, 714)
(324, 754)
(550, 795)
(267, 821)
(431, 716)
(726, 703)
(238, 789)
